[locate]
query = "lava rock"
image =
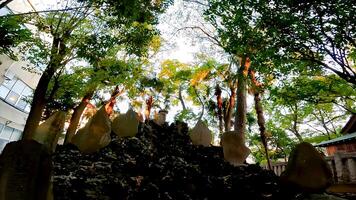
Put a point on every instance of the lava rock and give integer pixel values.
(160, 162)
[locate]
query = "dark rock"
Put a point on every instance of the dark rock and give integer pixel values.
(158, 163)
(307, 170)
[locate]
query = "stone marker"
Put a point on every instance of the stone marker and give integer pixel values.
(201, 135)
(49, 131)
(95, 134)
(126, 125)
(234, 148)
(160, 119)
(25, 171)
(307, 169)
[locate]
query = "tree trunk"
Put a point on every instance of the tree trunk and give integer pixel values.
(38, 104)
(240, 116)
(261, 124)
(180, 97)
(149, 104)
(74, 120)
(48, 112)
(219, 104)
(3, 4)
(230, 109)
(295, 123)
(39, 97)
(202, 104)
(322, 119)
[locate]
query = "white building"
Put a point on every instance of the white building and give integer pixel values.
(16, 87)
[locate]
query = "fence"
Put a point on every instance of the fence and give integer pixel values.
(343, 166)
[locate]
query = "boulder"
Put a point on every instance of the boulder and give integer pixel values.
(95, 134)
(234, 148)
(126, 125)
(49, 131)
(201, 135)
(25, 171)
(307, 170)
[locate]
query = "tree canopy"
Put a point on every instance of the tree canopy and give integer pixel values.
(276, 72)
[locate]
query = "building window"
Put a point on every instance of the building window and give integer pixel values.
(8, 134)
(15, 92)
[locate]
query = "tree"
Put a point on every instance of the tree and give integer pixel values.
(111, 72)
(318, 103)
(219, 106)
(69, 28)
(257, 90)
(320, 32)
(175, 76)
(240, 35)
(60, 27)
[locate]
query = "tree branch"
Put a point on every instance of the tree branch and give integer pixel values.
(3, 4)
(211, 38)
(196, 1)
(45, 11)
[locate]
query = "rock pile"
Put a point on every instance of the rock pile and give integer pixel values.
(158, 163)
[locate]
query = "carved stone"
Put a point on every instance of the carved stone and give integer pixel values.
(126, 125)
(95, 134)
(25, 171)
(161, 117)
(201, 135)
(235, 150)
(49, 131)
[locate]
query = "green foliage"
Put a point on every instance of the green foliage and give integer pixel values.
(315, 90)
(73, 86)
(241, 33)
(12, 33)
(133, 21)
(320, 32)
(127, 11)
(186, 116)
(320, 138)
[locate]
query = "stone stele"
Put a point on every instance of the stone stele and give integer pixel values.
(25, 171)
(201, 135)
(95, 134)
(234, 148)
(126, 125)
(49, 131)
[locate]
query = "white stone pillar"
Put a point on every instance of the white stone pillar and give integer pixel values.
(338, 167)
(351, 165)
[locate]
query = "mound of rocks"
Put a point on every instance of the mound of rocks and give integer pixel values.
(158, 163)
